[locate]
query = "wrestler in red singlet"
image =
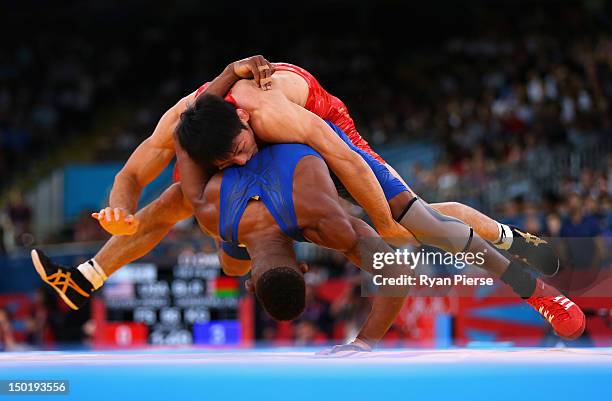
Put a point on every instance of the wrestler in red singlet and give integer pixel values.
(329, 107)
(319, 102)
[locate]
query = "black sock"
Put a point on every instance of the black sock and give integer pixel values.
(520, 279)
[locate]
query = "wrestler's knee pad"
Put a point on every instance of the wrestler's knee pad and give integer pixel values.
(432, 228)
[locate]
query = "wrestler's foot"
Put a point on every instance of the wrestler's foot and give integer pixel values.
(566, 318)
(70, 284)
(531, 249)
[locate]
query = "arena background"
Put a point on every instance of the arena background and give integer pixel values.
(505, 106)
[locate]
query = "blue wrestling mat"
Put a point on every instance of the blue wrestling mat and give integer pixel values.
(285, 375)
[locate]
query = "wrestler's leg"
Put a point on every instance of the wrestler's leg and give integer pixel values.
(432, 228)
(537, 252)
(452, 235)
(75, 285)
(485, 226)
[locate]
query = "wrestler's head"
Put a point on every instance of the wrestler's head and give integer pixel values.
(213, 131)
(281, 291)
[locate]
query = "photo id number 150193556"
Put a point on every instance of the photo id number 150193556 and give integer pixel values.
(8, 387)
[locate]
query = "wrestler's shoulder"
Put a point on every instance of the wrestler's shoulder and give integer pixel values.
(247, 95)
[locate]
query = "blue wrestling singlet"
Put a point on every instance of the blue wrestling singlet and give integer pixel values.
(268, 177)
(390, 185)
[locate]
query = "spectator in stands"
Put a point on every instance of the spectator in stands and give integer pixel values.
(87, 229)
(582, 247)
(316, 311)
(38, 330)
(553, 225)
(583, 233)
(306, 333)
(20, 218)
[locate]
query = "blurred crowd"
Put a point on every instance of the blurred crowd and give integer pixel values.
(49, 90)
(510, 98)
(42, 322)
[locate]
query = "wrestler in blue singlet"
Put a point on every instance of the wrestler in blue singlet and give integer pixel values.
(268, 177)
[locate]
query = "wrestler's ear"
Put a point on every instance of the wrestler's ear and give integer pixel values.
(243, 115)
(249, 286)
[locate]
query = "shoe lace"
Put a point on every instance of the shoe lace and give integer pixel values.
(551, 309)
(530, 238)
(62, 281)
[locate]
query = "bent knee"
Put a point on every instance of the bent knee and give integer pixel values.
(448, 208)
(431, 227)
(399, 203)
(446, 205)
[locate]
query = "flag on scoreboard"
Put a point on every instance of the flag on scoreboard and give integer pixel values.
(223, 287)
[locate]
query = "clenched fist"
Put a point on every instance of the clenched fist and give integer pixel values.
(117, 221)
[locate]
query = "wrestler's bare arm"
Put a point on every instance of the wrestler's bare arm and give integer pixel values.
(324, 222)
(358, 241)
(147, 161)
(156, 152)
(275, 119)
(384, 308)
(144, 164)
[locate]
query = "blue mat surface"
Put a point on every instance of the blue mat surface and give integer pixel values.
(283, 375)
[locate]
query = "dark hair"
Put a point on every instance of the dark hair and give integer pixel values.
(282, 293)
(207, 129)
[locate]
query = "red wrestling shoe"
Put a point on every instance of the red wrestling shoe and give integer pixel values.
(566, 317)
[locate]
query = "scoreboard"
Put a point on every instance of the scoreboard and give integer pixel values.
(186, 302)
